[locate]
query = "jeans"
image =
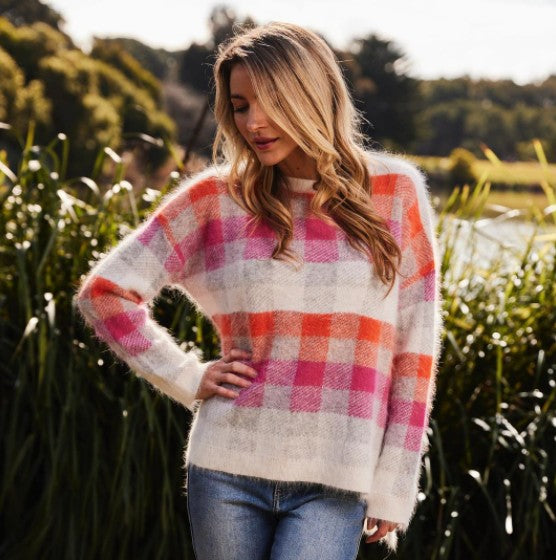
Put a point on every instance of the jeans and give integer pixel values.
(235, 517)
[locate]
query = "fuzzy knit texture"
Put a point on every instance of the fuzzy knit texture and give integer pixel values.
(346, 377)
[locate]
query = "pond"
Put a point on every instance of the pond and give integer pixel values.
(488, 242)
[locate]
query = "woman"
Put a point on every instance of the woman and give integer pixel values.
(316, 261)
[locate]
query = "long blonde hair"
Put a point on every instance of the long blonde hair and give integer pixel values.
(300, 86)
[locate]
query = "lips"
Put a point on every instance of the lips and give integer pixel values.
(264, 143)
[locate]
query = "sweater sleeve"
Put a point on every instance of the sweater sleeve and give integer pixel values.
(419, 325)
(115, 296)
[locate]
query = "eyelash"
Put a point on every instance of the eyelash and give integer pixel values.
(239, 110)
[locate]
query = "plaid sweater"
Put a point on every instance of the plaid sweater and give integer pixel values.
(345, 378)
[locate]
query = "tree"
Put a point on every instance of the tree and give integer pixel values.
(491, 124)
(64, 90)
(25, 12)
(20, 102)
(223, 22)
(195, 69)
(28, 45)
(444, 90)
(114, 54)
(95, 104)
(382, 90)
(442, 127)
(159, 62)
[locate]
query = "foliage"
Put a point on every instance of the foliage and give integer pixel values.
(84, 469)
(427, 117)
(86, 98)
(489, 482)
(159, 62)
(29, 45)
(91, 466)
(195, 66)
(383, 90)
(20, 102)
(461, 167)
(223, 22)
(522, 177)
(462, 112)
(488, 487)
(25, 12)
(115, 55)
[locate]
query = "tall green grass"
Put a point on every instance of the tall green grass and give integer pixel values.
(490, 473)
(91, 460)
(90, 463)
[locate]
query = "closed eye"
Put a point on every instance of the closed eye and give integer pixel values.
(239, 109)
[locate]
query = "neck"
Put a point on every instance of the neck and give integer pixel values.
(296, 184)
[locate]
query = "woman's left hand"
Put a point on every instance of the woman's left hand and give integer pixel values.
(383, 528)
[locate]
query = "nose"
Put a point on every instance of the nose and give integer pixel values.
(256, 118)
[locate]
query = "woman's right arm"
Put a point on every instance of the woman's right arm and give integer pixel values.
(115, 295)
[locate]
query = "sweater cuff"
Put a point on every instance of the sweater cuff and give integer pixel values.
(389, 508)
(187, 384)
(181, 387)
(396, 507)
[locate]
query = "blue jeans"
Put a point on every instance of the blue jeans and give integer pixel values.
(235, 517)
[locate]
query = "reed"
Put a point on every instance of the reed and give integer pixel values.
(90, 464)
(488, 486)
(91, 460)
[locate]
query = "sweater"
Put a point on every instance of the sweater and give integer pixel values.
(345, 378)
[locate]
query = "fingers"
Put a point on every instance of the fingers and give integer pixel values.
(371, 523)
(240, 367)
(236, 353)
(226, 377)
(383, 528)
(225, 370)
(230, 363)
(222, 391)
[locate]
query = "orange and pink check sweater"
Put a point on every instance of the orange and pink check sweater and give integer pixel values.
(345, 376)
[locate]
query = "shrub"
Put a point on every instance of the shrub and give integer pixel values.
(91, 463)
(47, 80)
(461, 167)
(20, 103)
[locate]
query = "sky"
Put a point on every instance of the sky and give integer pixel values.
(497, 39)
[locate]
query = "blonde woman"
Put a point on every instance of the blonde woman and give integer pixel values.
(316, 261)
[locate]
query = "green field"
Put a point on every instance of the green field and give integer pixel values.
(521, 178)
(511, 173)
(502, 201)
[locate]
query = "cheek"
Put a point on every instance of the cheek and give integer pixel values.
(240, 125)
(242, 131)
(289, 145)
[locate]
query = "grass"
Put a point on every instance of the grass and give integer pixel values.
(499, 202)
(509, 173)
(489, 480)
(91, 457)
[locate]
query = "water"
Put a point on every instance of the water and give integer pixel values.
(488, 241)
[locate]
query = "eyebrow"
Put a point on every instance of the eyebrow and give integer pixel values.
(238, 96)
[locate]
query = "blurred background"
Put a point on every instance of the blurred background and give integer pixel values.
(429, 77)
(106, 105)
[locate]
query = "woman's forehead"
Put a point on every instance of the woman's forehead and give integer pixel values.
(240, 82)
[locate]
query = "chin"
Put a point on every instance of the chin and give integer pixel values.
(269, 161)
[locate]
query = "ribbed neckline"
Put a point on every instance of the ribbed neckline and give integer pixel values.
(300, 185)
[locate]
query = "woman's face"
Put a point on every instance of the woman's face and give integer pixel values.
(253, 124)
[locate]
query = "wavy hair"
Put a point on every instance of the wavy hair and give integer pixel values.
(300, 86)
